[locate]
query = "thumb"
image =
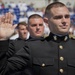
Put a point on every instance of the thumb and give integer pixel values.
(14, 26)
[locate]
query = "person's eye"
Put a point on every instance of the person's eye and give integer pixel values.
(40, 24)
(57, 17)
(67, 16)
(33, 25)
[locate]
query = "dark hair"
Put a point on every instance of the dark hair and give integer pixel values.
(22, 23)
(34, 16)
(54, 4)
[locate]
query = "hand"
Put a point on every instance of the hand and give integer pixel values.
(6, 26)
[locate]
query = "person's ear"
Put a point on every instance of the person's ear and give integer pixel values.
(46, 20)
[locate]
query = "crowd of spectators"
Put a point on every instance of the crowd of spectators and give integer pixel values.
(21, 11)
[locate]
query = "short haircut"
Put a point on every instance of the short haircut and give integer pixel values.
(54, 4)
(22, 23)
(34, 16)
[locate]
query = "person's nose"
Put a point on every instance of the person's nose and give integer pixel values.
(38, 26)
(63, 20)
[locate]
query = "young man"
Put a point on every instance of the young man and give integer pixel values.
(19, 42)
(36, 29)
(36, 26)
(22, 30)
(51, 56)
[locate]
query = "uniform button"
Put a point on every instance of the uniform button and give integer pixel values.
(61, 58)
(65, 38)
(61, 47)
(55, 37)
(43, 64)
(61, 70)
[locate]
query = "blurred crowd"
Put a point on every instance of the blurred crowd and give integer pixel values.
(21, 11)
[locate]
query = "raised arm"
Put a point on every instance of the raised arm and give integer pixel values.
(6, 26)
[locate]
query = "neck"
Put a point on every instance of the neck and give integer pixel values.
(60, 34)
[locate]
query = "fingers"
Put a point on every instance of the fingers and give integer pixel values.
(15, 26)
(2, 19)
(8, 18)
(6, 21)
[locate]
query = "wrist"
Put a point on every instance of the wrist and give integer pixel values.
(1, 39)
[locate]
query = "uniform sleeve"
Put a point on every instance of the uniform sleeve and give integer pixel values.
(11, 50)
(18, 62)
(4, 45)
(3, 57)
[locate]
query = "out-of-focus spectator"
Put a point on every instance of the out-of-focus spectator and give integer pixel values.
(2, 4)
(73, 19)
(22, 32)
(23, 17)
(12, 4)
(46, 30)
(71, 30)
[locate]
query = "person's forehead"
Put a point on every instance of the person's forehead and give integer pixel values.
(58, 10)
(39, 18)
(36, 20)
(22, 25)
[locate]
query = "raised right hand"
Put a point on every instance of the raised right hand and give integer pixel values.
(6, 26)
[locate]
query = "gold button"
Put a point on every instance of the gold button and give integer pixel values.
(61, 58)
(55, 37)
(43, 64)
(65, 38)
(61, 70)
(61, 47)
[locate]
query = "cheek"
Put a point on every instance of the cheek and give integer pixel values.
(53, 25)
(42, 29)
(20, 31)
(32, 31)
